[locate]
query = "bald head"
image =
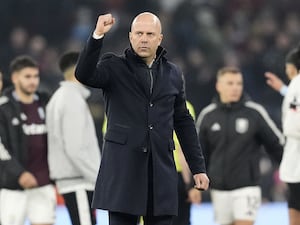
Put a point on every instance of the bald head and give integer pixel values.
(145, 36)
(147, 17)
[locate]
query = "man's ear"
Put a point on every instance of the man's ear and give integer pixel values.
(129, 36)
(217, 86)
(13, 77)
(161, 38)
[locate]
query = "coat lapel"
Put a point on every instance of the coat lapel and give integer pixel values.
(158, 85)
(134, 72)
(157, 70)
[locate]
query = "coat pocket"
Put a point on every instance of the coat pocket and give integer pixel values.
(116, 137)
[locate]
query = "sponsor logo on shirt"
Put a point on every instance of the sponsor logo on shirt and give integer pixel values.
(34, 129)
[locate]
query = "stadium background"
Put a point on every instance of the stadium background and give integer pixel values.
(200, 35)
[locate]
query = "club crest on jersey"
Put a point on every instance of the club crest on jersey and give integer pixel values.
(241, 125)
(215, 127)
(15, 121)
(295, 105)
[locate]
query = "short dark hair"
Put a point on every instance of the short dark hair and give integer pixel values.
(293, 57)
(21, 62)
(67, 60)
(228, 69)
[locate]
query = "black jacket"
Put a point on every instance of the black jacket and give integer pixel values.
(231, 136)
(141, 118)
(13, 150)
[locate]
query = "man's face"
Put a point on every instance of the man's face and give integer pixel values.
(145, 37)
(230, 87)
(26, 80)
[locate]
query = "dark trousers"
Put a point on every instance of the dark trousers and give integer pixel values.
(294, 196)
(116, 218)
(79, 206)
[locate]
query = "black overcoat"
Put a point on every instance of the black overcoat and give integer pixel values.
(143, 106)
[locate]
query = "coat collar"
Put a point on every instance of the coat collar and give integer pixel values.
(160, 54)
(134, 61)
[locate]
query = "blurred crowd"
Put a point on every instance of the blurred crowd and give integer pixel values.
(200, 35)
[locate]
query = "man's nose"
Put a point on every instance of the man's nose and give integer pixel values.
(144, 38)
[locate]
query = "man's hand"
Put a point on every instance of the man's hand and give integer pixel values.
(201, 181)
(274, 81)
(104, 24)
(27, 180)
(194, 196)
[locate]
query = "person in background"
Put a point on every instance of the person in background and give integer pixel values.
(289, 170)
(27, 190)
(187, 194)
(73, 149)
(145, 101)
(232, 130)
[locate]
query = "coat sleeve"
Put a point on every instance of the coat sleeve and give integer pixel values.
(11, 169)
(202, 136)
(186, 132)
(90, 70)
(268, 133)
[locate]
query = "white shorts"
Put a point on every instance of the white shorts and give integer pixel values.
(238, 204)
(37, 204)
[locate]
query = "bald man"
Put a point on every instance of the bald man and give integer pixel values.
(145, 100)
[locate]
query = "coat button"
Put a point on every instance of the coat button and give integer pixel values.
(151, 104)
(144, 149)
(150, 127)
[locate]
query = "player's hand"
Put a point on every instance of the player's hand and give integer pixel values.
(27, 180)
(104, 24)
(201, 181)
(274, 81)
(194, 196)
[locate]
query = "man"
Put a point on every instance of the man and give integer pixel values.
(26, 187)
(145, 100)
(232, 130)
(289, 170)
(74, 154)
(291, 71)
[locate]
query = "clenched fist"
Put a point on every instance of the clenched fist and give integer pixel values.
(104, 24)
(27, 180)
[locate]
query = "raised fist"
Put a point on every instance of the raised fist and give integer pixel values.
(104, 24)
